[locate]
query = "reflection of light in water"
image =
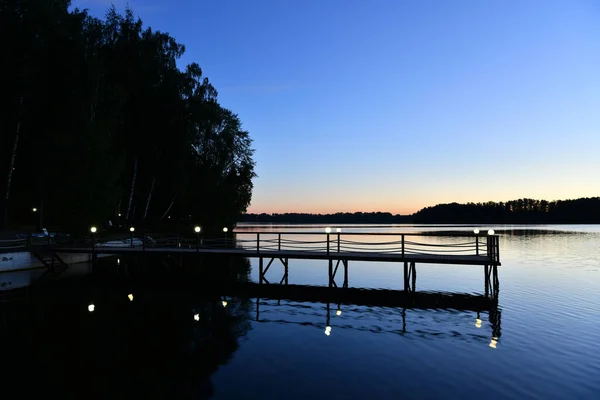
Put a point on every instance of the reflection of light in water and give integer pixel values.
(91, 307)
(478, 323)
(118, 261)
(493, 342)
(224, 303)
(328, 330)
(338, 312)
(130, 297)
(197, 317)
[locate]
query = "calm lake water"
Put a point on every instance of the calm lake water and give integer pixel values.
(176, 341)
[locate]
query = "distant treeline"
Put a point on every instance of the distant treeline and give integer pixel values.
(338, 218)
(521, 211)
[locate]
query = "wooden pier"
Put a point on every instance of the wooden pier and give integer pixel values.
(338, 249)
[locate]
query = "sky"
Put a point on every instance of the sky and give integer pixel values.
(395, 105)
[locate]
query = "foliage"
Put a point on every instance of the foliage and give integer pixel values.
(106, 124)
(577, 211)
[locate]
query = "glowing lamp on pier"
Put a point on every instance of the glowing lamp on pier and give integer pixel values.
(328, 230)
(476, 231)
(338, 230)
(224, 303)
(132, 229)
(130, 297)
(225, 230)
(34, 209)
(91, 308)
(196, 317)
(119, 214)
(197, 229)
(93, 229)
(491, 232)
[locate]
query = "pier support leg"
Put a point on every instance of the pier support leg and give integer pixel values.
(260, 271)
(284, 279)
(345, 273)
(406, 276)
(496, 281)
(486, 277)
(330, 272)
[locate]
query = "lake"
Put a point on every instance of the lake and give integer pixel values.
(147, 337)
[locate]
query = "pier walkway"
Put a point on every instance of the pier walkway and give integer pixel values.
(460, 248)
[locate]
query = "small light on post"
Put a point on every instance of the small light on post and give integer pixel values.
(225, 230)
(476, 231)
(338, 230)
(328, 230)
(197, 229)
(196, 317)
(131, 229)
(93, 231)
(119, 214)
(224, 303)
(34, 209)
(91, 308)
(130, 297)
(491, 232)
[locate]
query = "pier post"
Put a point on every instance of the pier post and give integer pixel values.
(258, 245)
(476, 245)
(328, 244)
(260, 270)
(330, 270)
(405, 276)
(338, 237)
(402, 246)
(413, 271)
(286, 270)
(279, 241)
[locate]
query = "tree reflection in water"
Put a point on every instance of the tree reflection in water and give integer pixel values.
(164, 341)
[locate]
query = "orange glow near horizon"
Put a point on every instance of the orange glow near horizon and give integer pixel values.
(406, 206)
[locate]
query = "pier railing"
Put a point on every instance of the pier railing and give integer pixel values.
(402, 244)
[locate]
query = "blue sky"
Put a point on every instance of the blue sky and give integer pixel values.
(390, 105)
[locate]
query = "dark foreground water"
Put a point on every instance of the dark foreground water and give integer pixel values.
(178, 336)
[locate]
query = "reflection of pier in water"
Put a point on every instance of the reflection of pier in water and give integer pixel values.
(334, 299)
